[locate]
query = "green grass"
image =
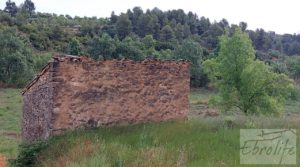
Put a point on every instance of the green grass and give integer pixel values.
(293, 103)
(201, 97)
(10, 121)
(209, 143)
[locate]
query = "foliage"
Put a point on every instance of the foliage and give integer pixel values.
(11, 8)
(28, 154)
(40, 60)
(191, 50)
(123, 26)
(15, 58)
(295, 94)
(167, 34)
(102, 48)
(245, 83)
(150, 33)
(295, 67)
(28, 7)
(74, 47)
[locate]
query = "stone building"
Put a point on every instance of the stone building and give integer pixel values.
(73, 92)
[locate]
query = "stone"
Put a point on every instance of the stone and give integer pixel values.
(91, 93)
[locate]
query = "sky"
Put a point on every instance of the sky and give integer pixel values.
(281, 16)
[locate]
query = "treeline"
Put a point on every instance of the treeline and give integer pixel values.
(136, 35)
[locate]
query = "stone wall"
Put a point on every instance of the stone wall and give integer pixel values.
(37, 108)
(94, 93)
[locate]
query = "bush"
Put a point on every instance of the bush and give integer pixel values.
(295, 94)
(28, 153)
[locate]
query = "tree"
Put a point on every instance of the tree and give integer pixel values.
(244, 83)
(15, 59)
(243, 26)
(123, 26)
(210, 37)
(102, 48)
(179, 32)
(11, 8)
(29, 7)
(167, 34)
(203, 25)
(186, 31)
(74, 47)
(148, 41)
(113, 18)
(191, 50)
(145, 25)
(130, 48)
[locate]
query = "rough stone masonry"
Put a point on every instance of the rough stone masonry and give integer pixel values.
(72, 92)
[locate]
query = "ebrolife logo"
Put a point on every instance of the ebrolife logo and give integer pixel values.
(268, 146)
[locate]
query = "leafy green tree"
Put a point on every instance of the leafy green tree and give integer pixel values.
(123, 26)
(130, 49)
(191, 50)
(11, 8)
(149, 46)
(244, 83)
(148, 41)
(15, 59)
(74, 47)
(102, 48)
(166, 34)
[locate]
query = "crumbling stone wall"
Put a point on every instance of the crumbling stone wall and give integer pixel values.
(95, 93)
(38, 107)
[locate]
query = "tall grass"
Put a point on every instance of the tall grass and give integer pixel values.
(200, 142)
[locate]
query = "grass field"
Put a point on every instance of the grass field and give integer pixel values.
(200, 141)
(10, 121)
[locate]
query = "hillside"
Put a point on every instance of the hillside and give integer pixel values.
(239, 79)
(135, 34)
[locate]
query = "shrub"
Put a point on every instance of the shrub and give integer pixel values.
(295, 94)
(28, 153)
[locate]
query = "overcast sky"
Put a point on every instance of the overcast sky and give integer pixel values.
(281, 16)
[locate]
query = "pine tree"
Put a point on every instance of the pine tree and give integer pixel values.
(11, 8)
(29, 7)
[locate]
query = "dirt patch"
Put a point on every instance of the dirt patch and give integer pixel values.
(292, 116)
(203, 110)
(12, 135)
(2, 161)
